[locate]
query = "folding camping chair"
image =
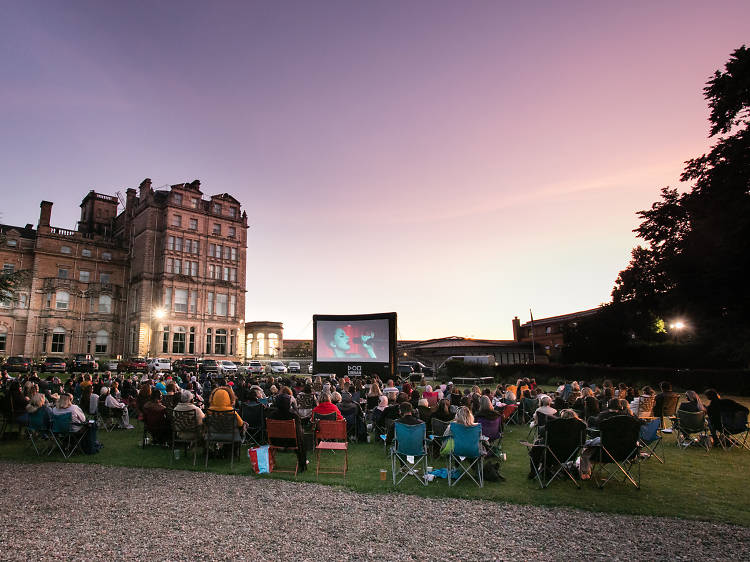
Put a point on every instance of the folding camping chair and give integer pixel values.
(510, 414)
(221, 429)
(38, 432)
(466, 453)
(692, 430)
(651, 440)
(492, 435)
(185, 432)
(437, 435)
(331, 436)
(553, 454)
(108, 418)
(408, 452)
(734, 430)
(282, 435)
(668, 410)
(65, 437)
(619, 452)
(254, 415)
(527, 408)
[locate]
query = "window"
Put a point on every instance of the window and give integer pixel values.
(86, 253)
(221, 304)
(64, 249)
(178, 266)
(193, 302)
(233, 274)
(233, 212)
(194, 269)
(8, 268)
(191, 341)
(232, 232)
(193, 224)
(105, 277)
(261, 344)
(217, 209)
(105, 304)
(23, 300)
(226, 274)
(211, 272)
(62, 272)
(165, 340)
(12, 243)
(6, 299)
(62, 300)
(548, 330)
(180, 300)
(102, 341)
(218, 251)
(220, 345)
(49, 300)
(168, 267)
(249, 345)
(178, 244)
(177, 198)
(234, 254)
(211, 249)
(217, 229)
(232, 304)
(273, 345)
(178, 340)
(170, 242)
(232, 342)
(227, 252)
(168, 298)
(210, 303)
(209, 347)
(195, 202)
(84, 276)
(58, 340)
(3, 341)
(107, 256)
(177, 220)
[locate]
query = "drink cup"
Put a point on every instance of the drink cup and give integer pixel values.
(429, 469)
(383, 473)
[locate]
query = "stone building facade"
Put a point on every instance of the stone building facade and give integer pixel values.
(264, 339)
(164, 277)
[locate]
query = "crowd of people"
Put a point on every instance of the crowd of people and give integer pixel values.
(365, 403)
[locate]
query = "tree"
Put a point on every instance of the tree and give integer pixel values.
(696, 257)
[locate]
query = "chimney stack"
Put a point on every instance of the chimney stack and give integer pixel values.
(44, 215)
(516, 329)
(145, 189)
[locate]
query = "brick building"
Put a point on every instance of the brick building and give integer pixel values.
(164, 277)
(548, 332)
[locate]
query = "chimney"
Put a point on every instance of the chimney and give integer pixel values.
(144, 189)
(44, 215)
(516, 329)
(130, 198)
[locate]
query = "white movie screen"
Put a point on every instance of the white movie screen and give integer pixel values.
(365, 341)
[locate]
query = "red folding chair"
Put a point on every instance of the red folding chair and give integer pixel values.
(331, 436)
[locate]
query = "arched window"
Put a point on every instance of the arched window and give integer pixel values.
(273, 345)
(261, 344)
(102, 342)
(178, 340)
(105, 304)
(220, 346)
(209, 346)
(58, 340)
(249, 345)
(62, 300)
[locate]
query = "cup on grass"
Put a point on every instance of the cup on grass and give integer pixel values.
(383, 473)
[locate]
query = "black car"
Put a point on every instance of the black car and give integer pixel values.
(18, 365)
(83, 363)
(189, 365)
(209, 367)
(54, 365)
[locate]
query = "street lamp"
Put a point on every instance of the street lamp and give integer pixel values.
(159, 313)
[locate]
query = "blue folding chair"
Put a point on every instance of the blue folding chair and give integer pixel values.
(64, 435)
(39, 428)
(651, 439)
(466, 453)
(408, 452)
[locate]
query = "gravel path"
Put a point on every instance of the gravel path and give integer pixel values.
(177, 515)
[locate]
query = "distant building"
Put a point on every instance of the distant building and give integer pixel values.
(264, 339)
(436, 351)
(164, 277)
(549, 332)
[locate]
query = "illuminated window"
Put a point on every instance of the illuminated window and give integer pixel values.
(102, 341)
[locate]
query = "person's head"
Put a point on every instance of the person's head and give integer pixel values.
(324, 397)
(475, 390)
(613, 404)
(464, 416)
(428, 388)
(712, 394)
(568, 413)
(402, 397)
(423, 402)
(103, 391)
(382, 401)
(340, 342)
(546, 400)
(37, 400)
(444, 405)
(586, 392)
(155, 396)
(647, 391)
(375, 389)
(485, 403)
(186, 396)
(665, 386)
(64, 401)
(283, 402)
(405, 409)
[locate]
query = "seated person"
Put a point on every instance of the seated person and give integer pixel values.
(283, 411)
(545, 409)
(65, 405)
(378, 413)
(326, 407)
(616, 407)
(718, 406)
(443, 412)
(638, 402)
(666, 394)
(155, 419)
(536, 454)
(39, 402)
(407, 417)
(424, 411)
(486, 410)
(114, 404)
(186, 405)
(586, 405)
(222, 400)
(692, 403)
(592, 448)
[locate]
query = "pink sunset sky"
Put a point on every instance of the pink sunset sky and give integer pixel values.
(455, 162)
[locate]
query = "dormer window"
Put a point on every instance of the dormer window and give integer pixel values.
(233, 212)
(217, 209)
(177, 198)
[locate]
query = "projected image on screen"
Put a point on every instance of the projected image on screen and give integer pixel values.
(353, 340)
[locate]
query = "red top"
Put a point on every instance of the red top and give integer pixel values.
(326, 408)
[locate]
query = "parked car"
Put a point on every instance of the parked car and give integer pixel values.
(419, 367)
(112, 365)
(404, 370)
(251, 368)
(276, 368)
(83, 363)
(159, 365)
(209, 367)
(226, 367)
(18, 365)
(293, 367)
(187, 365)
(54, 365)
(133, 365)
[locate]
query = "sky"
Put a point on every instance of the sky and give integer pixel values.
(458, 163)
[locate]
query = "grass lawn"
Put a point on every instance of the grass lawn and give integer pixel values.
(692, 484)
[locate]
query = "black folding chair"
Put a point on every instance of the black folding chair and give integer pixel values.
(734, 430)
(554, 454)
(692, 430)
(185, 432)
(619, 452)
(254, 414)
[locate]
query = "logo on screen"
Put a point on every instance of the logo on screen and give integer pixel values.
(354, 369)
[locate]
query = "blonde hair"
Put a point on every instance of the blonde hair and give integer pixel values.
(464, 416)
(64, 401)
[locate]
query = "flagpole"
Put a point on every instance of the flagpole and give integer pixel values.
(533, 346)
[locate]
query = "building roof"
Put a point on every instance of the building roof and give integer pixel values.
(455, 341)
(564, 317)
(23, 231)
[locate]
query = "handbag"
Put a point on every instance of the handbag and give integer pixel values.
(260, 459)
(447, 447)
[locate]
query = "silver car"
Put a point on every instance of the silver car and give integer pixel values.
(225, 367)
